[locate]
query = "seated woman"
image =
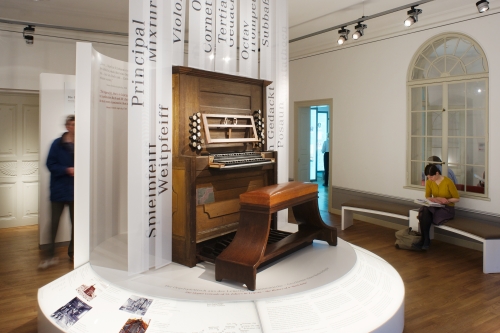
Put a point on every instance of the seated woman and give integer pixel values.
(441, 190)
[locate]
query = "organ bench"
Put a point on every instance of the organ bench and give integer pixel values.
(249, 249)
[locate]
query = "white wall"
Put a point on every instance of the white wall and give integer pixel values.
(368, 86)
(22, 64)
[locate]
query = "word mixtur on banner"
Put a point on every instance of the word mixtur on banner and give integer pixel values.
(238, 37)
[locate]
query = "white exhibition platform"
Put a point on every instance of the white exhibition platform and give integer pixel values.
(320, 288)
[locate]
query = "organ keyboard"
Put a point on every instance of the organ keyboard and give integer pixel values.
(239, 160)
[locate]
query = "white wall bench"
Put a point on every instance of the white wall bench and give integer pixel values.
(486, 233)
(379, 207)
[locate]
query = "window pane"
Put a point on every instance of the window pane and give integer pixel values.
(418, 99)
(471, 55)
(422, 63)
(440, 66)
(456, 96)
(439, 47)
(418, 74)
(456, 123)
(418, 148)
(476, 123)
(476, 151)
(433, 73)
(474, 178)
(417, 123)
(429, 53)
(476, 66)
(458, 70)
(463, 46)
(456, 150)
(435, 97)
(434, 147)
(417, 172)
(459, 172)
(450, 64)
(434, 123)
(476, 94)
(451, 44)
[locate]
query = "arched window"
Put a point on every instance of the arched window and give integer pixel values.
(448, 112)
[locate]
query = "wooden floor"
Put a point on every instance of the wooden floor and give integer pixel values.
(446, 290)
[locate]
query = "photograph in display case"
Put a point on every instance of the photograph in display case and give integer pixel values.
(87, 292)
(137, 305)
(70, 313)
(135, 325)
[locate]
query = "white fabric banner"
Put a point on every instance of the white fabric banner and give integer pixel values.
(226, 36)
(201, 50)
(138, 137)
(267, 68)
(249, 39)
(281, 84)
(163, 137)
(178, 24)
(267, 14)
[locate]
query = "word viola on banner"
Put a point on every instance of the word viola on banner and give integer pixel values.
(201, 50)
(178, 24)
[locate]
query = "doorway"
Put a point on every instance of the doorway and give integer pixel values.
(312, 124)
(319, 124)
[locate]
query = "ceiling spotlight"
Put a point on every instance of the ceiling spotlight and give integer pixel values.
(482, 6)
(28, 33)
(344, 35)
(413, 16)
(359, 30)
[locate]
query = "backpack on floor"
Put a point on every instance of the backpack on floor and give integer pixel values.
(405, 237)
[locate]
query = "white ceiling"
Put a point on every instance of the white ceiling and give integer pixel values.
(112, 15)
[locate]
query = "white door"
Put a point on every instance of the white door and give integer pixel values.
(304, 154)
(18, 159)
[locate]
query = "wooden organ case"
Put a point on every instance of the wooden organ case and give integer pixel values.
(218, 154)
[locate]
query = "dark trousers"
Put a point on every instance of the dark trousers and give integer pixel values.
(57, 209)
(425, 217)
(326, 163)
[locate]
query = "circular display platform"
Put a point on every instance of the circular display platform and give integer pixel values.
(309, 268)
(317, 289)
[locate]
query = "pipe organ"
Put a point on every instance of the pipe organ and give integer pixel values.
(218, 153)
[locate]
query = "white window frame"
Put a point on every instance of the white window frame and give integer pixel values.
(445, 80)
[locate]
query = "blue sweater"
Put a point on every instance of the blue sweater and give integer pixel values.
(61, 156)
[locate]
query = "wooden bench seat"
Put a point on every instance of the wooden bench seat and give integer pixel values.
(486, 233)
(386, 208)
(249, 249)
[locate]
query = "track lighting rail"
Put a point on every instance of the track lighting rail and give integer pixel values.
(41, 25)
(365, 18)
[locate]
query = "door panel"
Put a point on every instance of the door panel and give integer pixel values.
(19, 145)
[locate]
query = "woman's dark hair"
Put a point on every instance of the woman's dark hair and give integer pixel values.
(431, 170)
